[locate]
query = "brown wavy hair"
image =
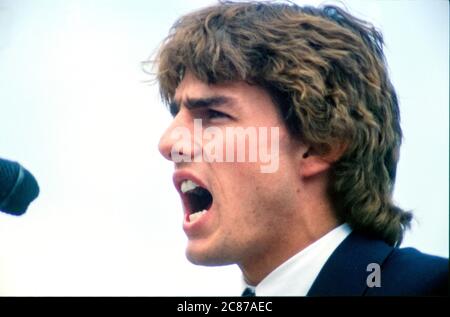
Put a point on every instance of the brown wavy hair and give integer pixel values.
(326, 71)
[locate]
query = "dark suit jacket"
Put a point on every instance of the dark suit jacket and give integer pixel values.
(402, 271)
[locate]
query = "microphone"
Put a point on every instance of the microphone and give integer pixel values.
(18, 188)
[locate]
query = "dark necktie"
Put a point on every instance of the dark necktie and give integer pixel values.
(248, 292)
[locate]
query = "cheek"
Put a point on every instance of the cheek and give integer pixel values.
(242, 144)
(245, 194)
(238, 188)
(251, 206)
(250, 194)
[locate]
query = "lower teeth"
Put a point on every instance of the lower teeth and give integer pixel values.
(194, 217)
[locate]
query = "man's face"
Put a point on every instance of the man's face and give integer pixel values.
(248, 212)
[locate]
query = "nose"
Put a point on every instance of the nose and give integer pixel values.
(176, 138)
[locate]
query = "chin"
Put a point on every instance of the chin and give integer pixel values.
(207, 258)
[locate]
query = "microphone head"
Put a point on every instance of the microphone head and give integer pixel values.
(18, 188)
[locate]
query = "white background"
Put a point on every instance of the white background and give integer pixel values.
(75, 111)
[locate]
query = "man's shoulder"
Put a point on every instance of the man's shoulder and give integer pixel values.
(407, 271)
(362, 265)
(425, 263)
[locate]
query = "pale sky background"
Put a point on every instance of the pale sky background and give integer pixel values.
(75, 112)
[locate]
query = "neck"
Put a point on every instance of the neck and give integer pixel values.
(305, 229)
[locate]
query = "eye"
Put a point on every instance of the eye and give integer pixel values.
(214, 114)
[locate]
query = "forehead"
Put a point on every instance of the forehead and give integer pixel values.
(240, 92)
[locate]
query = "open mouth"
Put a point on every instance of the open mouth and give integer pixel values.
(198, 199)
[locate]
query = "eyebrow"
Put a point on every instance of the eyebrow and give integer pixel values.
(196, 103)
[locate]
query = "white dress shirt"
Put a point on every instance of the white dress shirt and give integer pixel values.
(296, 276)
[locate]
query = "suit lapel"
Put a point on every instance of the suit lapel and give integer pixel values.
(345, 272)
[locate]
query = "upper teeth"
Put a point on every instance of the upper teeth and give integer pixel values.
(187, 186)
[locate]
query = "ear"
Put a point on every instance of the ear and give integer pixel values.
(318, 159)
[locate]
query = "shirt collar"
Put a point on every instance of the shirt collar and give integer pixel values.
(295, 276)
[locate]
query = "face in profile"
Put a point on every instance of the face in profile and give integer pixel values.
(233, 211)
